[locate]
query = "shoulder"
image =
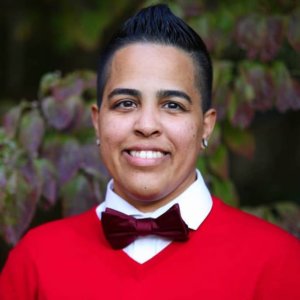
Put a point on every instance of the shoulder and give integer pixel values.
(79, 228)
(251, 229)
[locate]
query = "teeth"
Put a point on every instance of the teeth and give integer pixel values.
(146, 154)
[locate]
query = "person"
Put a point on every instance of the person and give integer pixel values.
(152, 120)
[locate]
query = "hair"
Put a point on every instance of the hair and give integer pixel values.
(157, 24)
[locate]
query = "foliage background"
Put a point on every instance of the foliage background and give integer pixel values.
(49, 166)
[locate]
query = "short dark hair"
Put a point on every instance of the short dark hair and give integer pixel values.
(157, 24)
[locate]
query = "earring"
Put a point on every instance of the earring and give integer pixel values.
(204, 143)
(98, 142)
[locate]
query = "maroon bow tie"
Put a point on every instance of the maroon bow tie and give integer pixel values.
(121, 230)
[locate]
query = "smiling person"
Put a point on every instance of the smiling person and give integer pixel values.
(159, 234)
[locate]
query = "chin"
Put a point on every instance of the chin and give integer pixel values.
(148, 202)
(146, 196)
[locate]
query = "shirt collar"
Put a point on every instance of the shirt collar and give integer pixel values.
(195, 204)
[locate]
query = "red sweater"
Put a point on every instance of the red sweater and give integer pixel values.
(231, 256)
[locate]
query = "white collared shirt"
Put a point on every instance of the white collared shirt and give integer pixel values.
(195, 204)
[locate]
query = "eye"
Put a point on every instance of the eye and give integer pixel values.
(125, 104)
(174, 106)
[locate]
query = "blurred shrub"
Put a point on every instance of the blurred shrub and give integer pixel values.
(255, 47)
(48, 153)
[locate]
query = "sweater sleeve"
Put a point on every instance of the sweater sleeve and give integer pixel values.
(18, 279)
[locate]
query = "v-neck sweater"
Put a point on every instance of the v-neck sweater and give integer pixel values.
(232, 256)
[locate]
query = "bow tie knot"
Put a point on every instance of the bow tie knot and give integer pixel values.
(121, 230)
(145, 226)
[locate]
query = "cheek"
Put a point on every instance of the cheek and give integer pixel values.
(109, 129)
(114, 131)
(187, 135)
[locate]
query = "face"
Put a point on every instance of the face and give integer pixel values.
(151, 124)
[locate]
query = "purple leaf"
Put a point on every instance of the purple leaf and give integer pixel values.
(90, 79)
(32, 131)
(221, 99)
(69, 161)
(250, 34)
(91, 161)
(47, 173)
(273, 38)
(260, 36)
(60, 114)
(83, 119)
(287, 89)
(78, 121)
(52, 149)
(241, 111)
(288, 95)
(262, 83)
(2, 178)
(74, 88)
(31, 174)
(243, 116)
(98, 190)
(11, 120)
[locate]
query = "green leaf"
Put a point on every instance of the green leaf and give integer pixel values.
(240, 141)
(77, 195)
(202, 165)
(92, 23)
(223, 73)
(47, 82)
(9, 151)
(260, 79)
(218, 162)
(215, 139)
(241, 112)
(19, 208)
(225, 190)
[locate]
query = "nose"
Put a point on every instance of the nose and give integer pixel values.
(148, 122)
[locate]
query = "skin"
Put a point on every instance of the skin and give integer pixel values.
(151, 103)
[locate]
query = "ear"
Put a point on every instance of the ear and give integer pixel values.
(209, 120)
(95, 118)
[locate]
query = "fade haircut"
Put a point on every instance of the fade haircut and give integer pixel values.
(158, 25)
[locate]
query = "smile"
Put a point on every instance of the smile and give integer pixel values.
(146, 154)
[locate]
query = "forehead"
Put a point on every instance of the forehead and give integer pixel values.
(146, 64)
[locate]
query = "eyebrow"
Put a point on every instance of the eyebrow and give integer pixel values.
(159, 94)
(173, 93)
(124, 91)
